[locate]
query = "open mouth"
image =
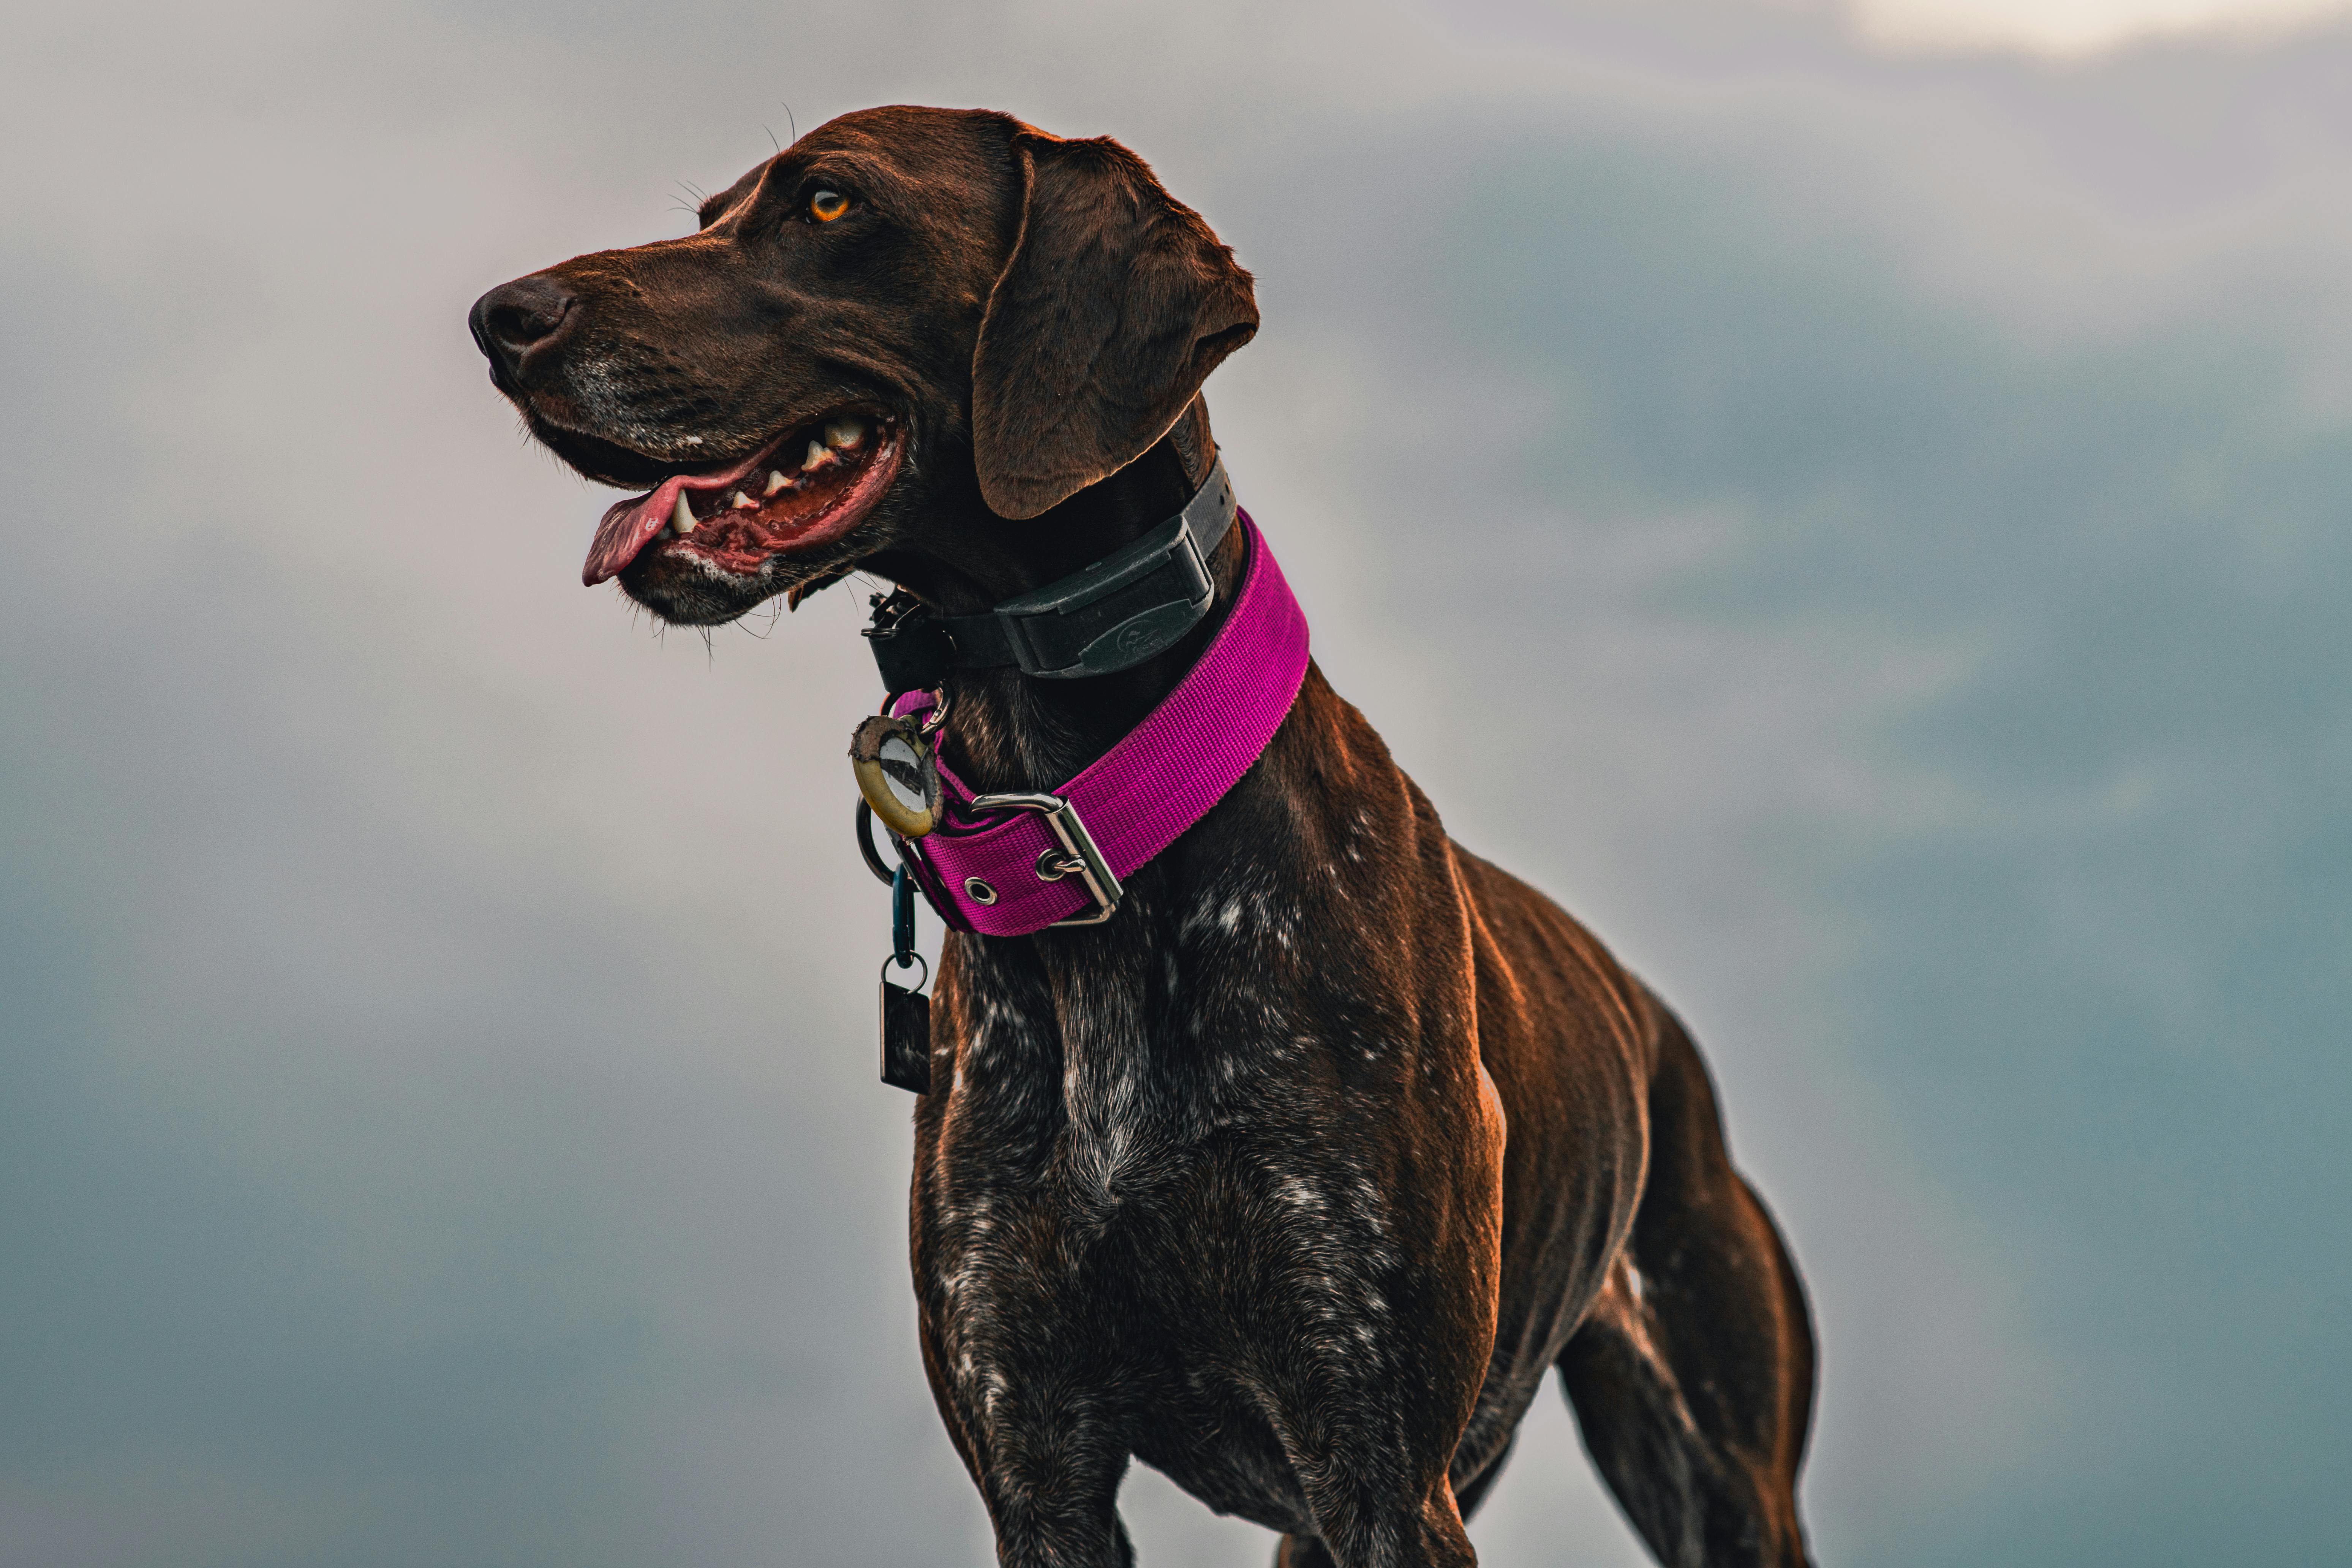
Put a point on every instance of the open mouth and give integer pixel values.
(807, 488)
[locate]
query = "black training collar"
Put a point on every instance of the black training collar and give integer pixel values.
(1132, 604)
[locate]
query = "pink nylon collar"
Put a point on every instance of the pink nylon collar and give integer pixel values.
(985, 872)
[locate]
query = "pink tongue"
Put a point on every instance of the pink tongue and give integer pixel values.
(630, 525)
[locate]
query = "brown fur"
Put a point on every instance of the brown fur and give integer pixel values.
(1296, 1177)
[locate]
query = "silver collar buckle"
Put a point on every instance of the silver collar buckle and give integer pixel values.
(1076, 854)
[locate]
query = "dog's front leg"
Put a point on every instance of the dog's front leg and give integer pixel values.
(1389, 1293)
(1387, 1325)
(1432, 1534)
(1052, 1490)
(1047, 1453)
(1375, 1481)
(1032, 1404)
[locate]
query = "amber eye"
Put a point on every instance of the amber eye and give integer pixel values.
(826, 206)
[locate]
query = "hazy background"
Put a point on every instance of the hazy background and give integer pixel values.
(1884, 470)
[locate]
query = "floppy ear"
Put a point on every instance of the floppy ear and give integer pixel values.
(1116, 305)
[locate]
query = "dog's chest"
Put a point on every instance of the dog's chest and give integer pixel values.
(1122, 1126)
(1101, 1080)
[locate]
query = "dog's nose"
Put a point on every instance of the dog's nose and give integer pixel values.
(515, 319)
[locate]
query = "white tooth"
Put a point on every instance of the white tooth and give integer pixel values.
(816, 454)
(743, 502)
(776, 482)
(844, 433)
(681, 516)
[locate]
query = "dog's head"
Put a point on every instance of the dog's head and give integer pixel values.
(911, 326)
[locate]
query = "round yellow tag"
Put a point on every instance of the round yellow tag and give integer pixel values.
(896, 775)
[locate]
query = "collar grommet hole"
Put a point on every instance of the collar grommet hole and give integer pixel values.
(979, 891)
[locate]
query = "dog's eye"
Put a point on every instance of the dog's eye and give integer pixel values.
(826, 206)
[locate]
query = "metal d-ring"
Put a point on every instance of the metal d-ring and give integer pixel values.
(902, 960)
(874, 861)
(933, 716)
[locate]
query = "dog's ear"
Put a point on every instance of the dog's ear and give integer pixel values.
(1116, 303)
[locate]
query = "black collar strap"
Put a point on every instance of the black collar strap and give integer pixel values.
(1130, 604)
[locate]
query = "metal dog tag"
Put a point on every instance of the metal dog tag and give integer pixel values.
(897, 773)
(906, 1035)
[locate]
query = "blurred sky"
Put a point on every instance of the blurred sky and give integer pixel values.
(1884, 470)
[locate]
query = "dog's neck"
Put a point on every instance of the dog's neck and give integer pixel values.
(1007, 730)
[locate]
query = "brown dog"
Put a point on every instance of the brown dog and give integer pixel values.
(1293, 1177)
